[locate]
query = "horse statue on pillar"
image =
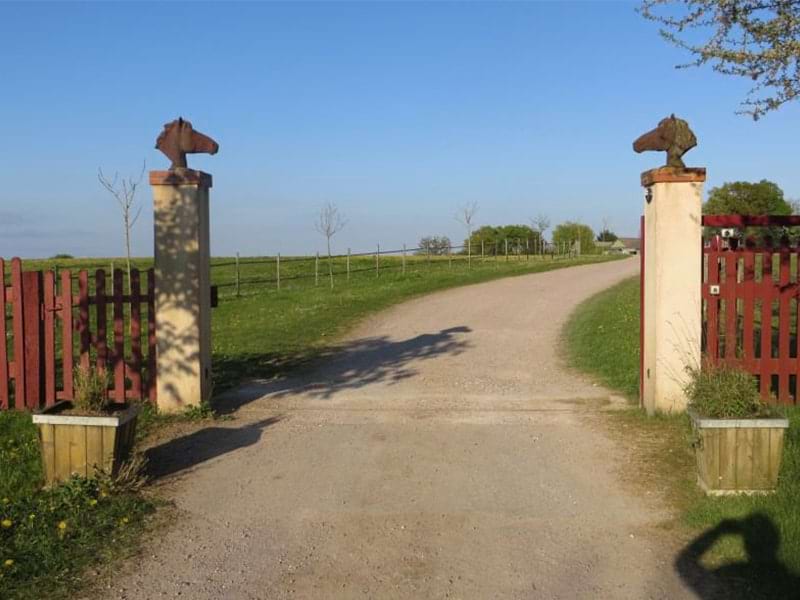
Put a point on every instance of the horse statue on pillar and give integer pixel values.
(179, 139)
(673, 136)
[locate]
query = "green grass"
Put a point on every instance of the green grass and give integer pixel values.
(49, 537)
(602, 339)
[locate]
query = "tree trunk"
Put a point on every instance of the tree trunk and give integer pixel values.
(330, 266)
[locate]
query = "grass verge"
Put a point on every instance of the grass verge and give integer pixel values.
(753, 541)
(49, 537)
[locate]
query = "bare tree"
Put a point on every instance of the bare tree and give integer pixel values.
(466, 216)
(541, 223)
(124, 192)
(329, 223)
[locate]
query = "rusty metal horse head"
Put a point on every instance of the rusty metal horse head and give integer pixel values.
(673, 136)
(179, 139)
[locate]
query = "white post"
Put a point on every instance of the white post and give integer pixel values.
(237, 275)
(672, 284)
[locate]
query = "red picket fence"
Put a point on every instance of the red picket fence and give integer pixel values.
(52, 329)
(750, 294)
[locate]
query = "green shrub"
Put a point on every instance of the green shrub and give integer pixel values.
(91, 387)
(724, 392)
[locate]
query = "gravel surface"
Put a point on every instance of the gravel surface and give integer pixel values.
(444, 453)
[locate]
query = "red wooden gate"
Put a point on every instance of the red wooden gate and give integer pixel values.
(51, 327)
(750, 291)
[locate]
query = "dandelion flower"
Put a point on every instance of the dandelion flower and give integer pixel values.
(93, 502)
(31, 517)
(124, 521)
(6, 523)
(62, 525)
(6, 500)
(8, 562)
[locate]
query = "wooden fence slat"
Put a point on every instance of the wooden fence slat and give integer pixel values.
(712, 339)
(730, 305)
(18, 333)
(748, 277)
(4, 399)
(119, 339)
(101, 339)
(49, 338)
(785, 295)
(765, 288)
(83, 318)
(151, 336)
(33, 341)
(66, 333)
(136, 336)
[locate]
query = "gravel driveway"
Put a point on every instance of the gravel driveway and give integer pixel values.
(445, 452)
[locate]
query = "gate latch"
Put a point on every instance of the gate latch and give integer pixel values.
(713, 290)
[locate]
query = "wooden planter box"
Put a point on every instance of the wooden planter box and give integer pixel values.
(76, 445)
(736, 456)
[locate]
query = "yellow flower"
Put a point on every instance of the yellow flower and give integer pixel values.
(6, 500)
(8, 562)
(93, 502)
(103, 494)
(124, 521)
(31, 517)
(6, 523)
(62, 525)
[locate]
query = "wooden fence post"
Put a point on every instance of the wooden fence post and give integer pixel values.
(4, 400)
(506, 243)
(316, 270)
(237, 275)
(348, 264)
(469, 252)
(449, 256)
(404, 259)
(377, 261)
(278, 270)
(527, 249)
(482, 253)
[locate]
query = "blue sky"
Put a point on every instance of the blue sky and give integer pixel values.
(396, 112)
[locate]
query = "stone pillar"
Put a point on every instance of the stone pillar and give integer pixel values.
(183, 288)
(672, 284)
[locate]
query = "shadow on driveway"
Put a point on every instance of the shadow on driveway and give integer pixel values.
(353, 365)
(201, 446)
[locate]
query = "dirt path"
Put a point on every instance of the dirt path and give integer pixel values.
(444, 453)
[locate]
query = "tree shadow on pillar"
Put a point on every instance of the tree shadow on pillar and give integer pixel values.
(182, 284)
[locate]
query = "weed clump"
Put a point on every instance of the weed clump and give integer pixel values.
(724, 392)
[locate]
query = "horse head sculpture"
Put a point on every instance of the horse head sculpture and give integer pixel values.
(673, 136)
(179, 139)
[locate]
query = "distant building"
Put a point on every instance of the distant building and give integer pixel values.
(619, 246)
(629, 245)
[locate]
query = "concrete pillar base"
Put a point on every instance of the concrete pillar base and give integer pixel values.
(672, 279)
(183, 288)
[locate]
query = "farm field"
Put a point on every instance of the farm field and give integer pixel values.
(602, 339)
